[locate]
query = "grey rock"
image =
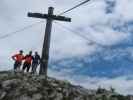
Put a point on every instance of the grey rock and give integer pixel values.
(24, 97)
(25, 86)
(37, 96)
(59, 96)
(8, 84)
(2, 95)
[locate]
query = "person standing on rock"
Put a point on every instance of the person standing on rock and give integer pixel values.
(18, 58)
(36, 61)
(27, 62)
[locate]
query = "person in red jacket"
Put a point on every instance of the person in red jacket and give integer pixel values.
(18, 58)
(27, 62)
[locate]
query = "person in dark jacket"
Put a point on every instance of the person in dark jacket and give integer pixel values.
(18, 58)
(36, 61)
(27, 62)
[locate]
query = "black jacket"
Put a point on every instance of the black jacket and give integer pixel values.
(36, 59)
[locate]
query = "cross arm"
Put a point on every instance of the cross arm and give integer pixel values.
(36, 15)
(46, 16)
(61, 18)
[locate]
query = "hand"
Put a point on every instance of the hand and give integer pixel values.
(14, 59)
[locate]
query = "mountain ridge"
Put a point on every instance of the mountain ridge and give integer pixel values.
(25, 86)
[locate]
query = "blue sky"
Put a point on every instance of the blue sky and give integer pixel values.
(103, 58)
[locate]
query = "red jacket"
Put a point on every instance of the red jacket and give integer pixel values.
(18, 57)
(28, 59)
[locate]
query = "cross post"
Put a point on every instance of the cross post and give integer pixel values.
(46, 44)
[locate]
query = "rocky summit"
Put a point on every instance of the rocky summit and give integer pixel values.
(20, 86)
(25, 86)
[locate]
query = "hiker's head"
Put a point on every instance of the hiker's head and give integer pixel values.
(36, 53)
(21, 51)
(30, 53)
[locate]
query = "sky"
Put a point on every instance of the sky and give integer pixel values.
(95, 49)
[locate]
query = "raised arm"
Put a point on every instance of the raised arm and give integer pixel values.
(14, 57)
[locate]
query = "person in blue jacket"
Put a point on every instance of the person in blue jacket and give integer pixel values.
(35, 63)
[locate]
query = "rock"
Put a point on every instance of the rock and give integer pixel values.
(8, 84)
(2, 95)
(59, 96)
(24, 97)
(25, 86)
(37, 96)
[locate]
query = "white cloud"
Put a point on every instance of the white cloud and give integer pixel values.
(122, 84)
(83, 18)
(124, 8)
(106, 36)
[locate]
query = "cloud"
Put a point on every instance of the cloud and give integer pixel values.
(84, 19)
(122, 84)
(110, 6)
(102, 22)
(123, 8)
